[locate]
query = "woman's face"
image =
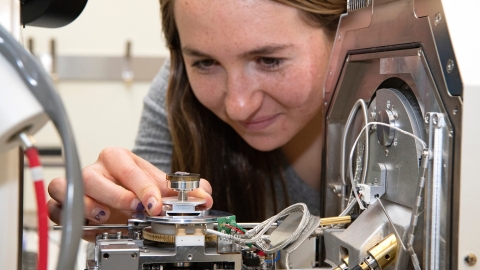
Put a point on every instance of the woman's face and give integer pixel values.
(255, 64)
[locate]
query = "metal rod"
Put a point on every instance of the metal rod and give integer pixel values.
(393, 225)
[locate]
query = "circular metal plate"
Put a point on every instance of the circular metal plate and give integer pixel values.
(191, 201)
(210, 216)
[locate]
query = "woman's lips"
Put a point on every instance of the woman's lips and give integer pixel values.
(259, 123)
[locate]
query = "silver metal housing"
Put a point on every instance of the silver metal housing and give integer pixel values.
(397, 57)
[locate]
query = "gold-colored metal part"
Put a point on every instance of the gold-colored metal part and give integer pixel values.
(168, 238)
(335, 220)
(183, 176)
(364, 266)
(385, 252)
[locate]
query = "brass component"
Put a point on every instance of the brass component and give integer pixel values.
(364, 266)
(335, 220)
(385, 252)
(168, 238)
(471, 259)
(183, 176)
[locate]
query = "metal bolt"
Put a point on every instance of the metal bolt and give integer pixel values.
(427, 119)
(455, 111)
(386, 152)
(471, 259)
(134, 255)
(438, 18)
(395, 115)
(137, 235)
(119, 235)
(189, 257)
(435, 119)
(105, 235)
(337, 189)
(450, 65)
(373, 114)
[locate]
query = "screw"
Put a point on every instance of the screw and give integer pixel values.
(105, 235)
(450, 65)
(455, 111)
(386, 152)
(119, 235)
(435, 119)
(427, 119)
(189, 257)
(471, 259)
(438, 18)
(395, 115)
(134, 255)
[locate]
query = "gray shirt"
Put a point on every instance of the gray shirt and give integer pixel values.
(154, 144)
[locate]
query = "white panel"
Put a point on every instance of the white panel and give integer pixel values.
(9, 190)
(469, 231)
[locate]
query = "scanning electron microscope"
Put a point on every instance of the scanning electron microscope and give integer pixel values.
(398, 180)
(392, 183)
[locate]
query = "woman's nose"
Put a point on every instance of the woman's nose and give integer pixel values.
(243, 98)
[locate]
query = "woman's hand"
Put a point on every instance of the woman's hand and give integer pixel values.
(118, 184)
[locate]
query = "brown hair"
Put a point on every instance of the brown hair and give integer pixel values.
(242, 177)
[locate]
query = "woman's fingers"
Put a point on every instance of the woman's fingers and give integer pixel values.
(204, 192)
(93, 210)
(118, 184)
(54, 211)
(133, 174)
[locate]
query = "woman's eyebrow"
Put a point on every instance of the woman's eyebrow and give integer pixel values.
(263, 50)
(193, 52)
(266, 50)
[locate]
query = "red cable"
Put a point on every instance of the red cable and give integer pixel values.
(42, 212)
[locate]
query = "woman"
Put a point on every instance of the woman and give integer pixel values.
(243, 105)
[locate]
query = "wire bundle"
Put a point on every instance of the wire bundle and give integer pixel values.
(257, 235)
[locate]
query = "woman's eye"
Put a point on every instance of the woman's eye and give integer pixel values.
(269, 62)
(204, 64)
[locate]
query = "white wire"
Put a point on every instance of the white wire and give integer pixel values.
(354, 185)
(256, 235)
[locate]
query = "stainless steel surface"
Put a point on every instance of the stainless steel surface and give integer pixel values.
(183, 219)
(115, 254)
(403, 70)
(399, 237)
(434, 202)
(357, 4)
(183, 182)
(369, 229)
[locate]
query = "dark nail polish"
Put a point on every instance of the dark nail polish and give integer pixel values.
(140, 207)
(102, 213)
(149, 206)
